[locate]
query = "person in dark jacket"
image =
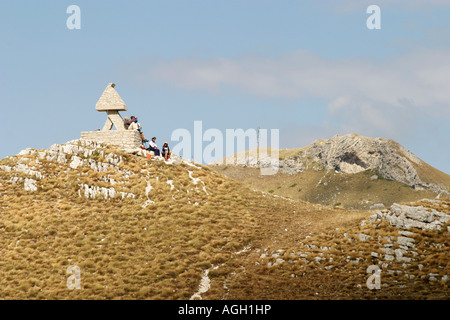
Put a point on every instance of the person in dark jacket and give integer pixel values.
(165, 150)
(153, 147)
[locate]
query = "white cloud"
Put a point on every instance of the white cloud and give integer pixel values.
(414, 81)
(395, 98)
(405, 98)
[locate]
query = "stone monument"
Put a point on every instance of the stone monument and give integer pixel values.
(111, 103)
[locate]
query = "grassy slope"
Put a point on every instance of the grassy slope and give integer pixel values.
(355, 191)
(432, 175)
(128, 251)
(125, 250)
(334, 277)
(329, 188)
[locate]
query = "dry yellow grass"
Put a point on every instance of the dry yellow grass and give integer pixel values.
(124, 250)
(130, 249)
(354, 191)
(306, 278)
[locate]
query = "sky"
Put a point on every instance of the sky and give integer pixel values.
(311, 69)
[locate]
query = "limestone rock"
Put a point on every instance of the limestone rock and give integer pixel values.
(363, 237)
(405, 241)
(30, 185)
(406, 217)
(351, 153)
(354, 153)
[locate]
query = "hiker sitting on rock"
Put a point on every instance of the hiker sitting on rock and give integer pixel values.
(166, 151)
(135, 125)
(153, 147)
(126, 123)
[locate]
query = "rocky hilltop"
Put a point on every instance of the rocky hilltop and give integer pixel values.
(351, 154)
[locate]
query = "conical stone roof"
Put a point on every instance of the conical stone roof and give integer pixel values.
(110, 100)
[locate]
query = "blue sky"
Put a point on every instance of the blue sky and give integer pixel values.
(311, 69)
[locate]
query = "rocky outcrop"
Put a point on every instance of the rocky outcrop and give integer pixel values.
(408, 217)
(92, 192)
(410, 220)
(402, 248)
(28, 170)
(351, 153)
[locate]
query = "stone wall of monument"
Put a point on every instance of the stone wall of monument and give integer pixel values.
(128, 139)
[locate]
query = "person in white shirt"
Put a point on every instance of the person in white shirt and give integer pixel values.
(134, 125)
(153, 147)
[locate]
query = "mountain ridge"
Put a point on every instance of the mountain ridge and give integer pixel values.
(353, 170)
(353, 153)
